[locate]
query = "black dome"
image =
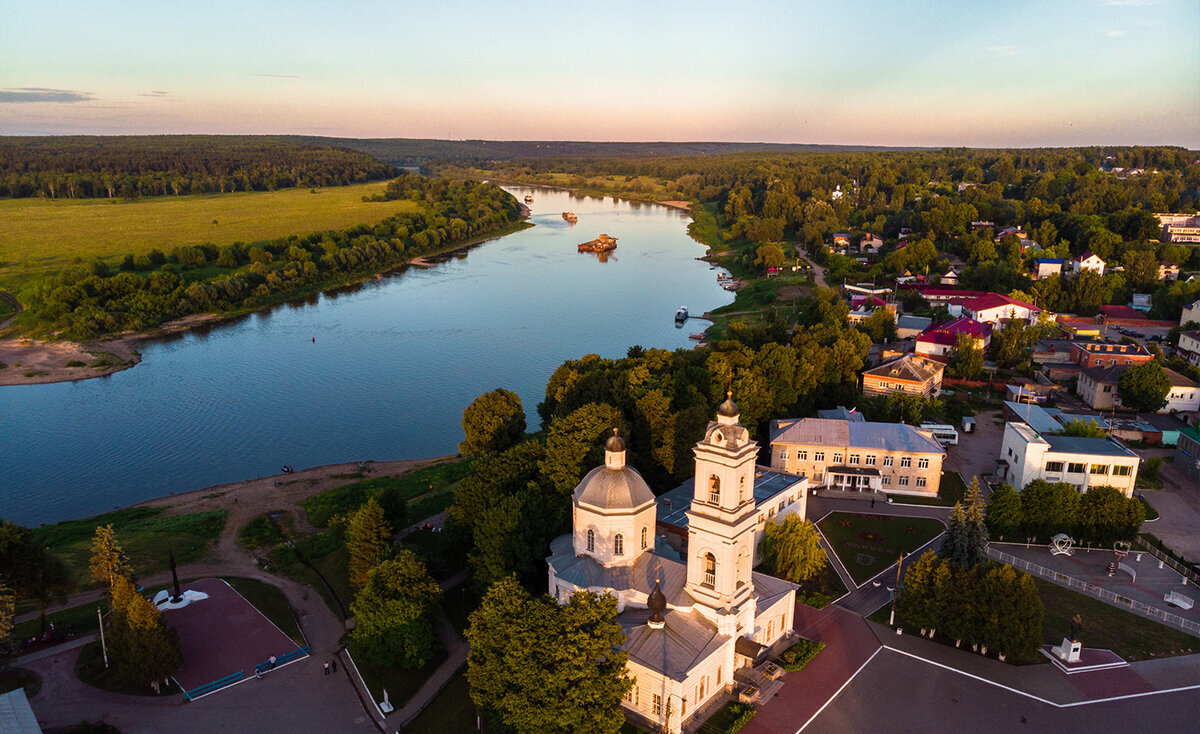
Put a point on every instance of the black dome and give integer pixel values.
(728, 408)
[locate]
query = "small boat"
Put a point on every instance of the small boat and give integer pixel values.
(528, 199)
(570, 217)
(681, 314)
(603, 243)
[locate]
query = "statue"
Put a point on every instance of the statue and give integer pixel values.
(178, 595)
(1076, 625)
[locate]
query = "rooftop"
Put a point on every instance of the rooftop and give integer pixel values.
(948, 332)
(841, 413)
(909, 367)
(864, 434)
(768, 484)
(1089, 446)
(996, 300)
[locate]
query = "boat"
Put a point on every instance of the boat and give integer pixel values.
(528, 199)
(570, 217)
(681, 314)
(603, 243)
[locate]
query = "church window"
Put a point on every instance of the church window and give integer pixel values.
(656, 704)
(619, 544)
(714, 489)
(643, 537)
(591, 540)
(741, 490)
(710, 570)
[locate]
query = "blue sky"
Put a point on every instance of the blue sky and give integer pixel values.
(1012, 73)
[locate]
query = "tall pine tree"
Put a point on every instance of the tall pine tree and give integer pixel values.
(977, 532)
(956, 543)
(368, 539)
(108, 560)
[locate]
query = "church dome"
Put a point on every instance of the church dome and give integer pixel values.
(728, 408)
(613, 489)
(616, 443)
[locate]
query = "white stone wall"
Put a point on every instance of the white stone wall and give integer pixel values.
(606, 527)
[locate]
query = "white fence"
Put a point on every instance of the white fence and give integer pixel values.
(1145, 610)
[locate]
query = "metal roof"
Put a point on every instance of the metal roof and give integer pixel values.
(16, 715)
(1091, 446)
(673, 505)
(864, 435)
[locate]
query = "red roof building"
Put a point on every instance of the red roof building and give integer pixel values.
(994, 308)
(939, 339)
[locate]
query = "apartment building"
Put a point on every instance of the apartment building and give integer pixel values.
(1026, 455)
(910, 374)
(1103, 354)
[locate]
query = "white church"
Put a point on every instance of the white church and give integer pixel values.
(689, 624)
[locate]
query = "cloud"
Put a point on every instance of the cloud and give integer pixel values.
(155, 93)
(1003, 50)
(279, 76)
(1115, 34)
(19, 95)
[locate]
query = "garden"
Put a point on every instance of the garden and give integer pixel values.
(867, 544)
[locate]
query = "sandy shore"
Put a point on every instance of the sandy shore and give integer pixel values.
(684, 205)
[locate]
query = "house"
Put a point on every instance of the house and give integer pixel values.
(1014, 231)
(841, 413)
(16, 715)
(1096, 354)
(688, 624)
(1026, 455)
(841, 239)
(982, 224)
(1044, 267)
(909, 326)
(1189, 346)
(1098, 387)
(863, 306)
(1168, 271)
(995, 308)
(935, 297)
(911, 374)
(870, 244)
(837, 193)
(1087, 261)
(950, 277)
(938, 340)
(1140, 302)
(858, 456)
(1187, 453)
(1191, 312)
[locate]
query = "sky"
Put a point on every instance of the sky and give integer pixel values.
(1015, 73)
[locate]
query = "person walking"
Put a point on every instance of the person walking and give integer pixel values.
(326, 667)
(333, 665)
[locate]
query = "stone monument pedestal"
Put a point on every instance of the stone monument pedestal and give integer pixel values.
(1068, 651)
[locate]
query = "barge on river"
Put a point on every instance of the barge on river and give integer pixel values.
(603, 243)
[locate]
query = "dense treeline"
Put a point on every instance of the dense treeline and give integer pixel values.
(87, 300)
(136, 166)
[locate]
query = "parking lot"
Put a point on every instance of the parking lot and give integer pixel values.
(976, 453)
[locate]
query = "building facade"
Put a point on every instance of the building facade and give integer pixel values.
(995, 308)
(912, 375)
(1104, 354)
(1026, 455)
(939, 340)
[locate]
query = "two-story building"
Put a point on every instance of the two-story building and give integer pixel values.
(1087, 261)
(1099, 388)
(1104, 354)
(939, 339)
(911, 374)
(995, 308)
(858, 456)
(1190, 312)
(1026, 455)
(1189, 346)
(1044, 267)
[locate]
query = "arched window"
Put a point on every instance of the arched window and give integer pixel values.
(643, 538)
(591, 541)
(741, 490)
(714, 489)
(619, 544)
(710, 570)
(743, 567)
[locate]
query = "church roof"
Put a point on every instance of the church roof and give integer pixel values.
(768, 484)
(586, 572)
(685, 640)
(613, 489)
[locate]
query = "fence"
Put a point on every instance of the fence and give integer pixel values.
(287, 657)
(1145, 610)
(208, 688)
(1183, 570)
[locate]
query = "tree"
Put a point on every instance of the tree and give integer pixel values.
(1004, 512)
(1106, 515)
(1083, 429)
(977, 534)
(30, 569)
(769, 256)
(791, 549)
(574, 444)
(143, 649)
(880, 326)
(535, 666)
(8, 607)
(396, 611)
(966, 362)
(1144, 387)
(1012, 342)
(108, 560)
(1141, 267)
(492, 422)
(368, 539)
(956, 545)
(915, 603)
(1048, 509)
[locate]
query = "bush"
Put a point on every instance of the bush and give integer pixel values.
(259, 532)
(1150, 467)
(800, 654)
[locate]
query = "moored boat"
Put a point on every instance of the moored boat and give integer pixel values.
(681, 314)
(570, 217)
(603, 243)
(528, 199)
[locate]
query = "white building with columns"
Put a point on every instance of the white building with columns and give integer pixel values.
(690, 623)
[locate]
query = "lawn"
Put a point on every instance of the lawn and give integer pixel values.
(47, 234)
(821, 589)
(867, 544)
(272, 603)
(451, 711)
(317, 557)
(81, 620)
(13, 678)
(399, 683)
(146, 534)
(424, 488)
(1107, 627)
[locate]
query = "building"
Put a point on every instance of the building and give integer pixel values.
(995, 308)
(1141, 302)
(1097, 354)
(1187, 453)
(1180, 227)
(776, 495)
(1189, 346)
(1044, 267)
(841, 413)
(870, 244)
(1191, 312)
(1168, 271)
(911, 374)
(908, 326)
(950, 277)
(16, 715)
(938, 340)
(935, 297)
(1014, 231)
(1026, 455)
(1098, 387)
(1087, 261)
(858, 456)
(690, 626)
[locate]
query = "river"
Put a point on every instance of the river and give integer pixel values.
(394, 364)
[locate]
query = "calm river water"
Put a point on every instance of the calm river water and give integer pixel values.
(394, 364)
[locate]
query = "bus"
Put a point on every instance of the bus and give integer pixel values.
(944, 434)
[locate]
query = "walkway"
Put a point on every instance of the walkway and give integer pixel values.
(818, 271)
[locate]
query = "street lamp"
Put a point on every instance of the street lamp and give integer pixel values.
(892, 616)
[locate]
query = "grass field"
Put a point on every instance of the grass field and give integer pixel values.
(867, 544)
(43, 235)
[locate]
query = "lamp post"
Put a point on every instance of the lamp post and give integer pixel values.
(892, 616)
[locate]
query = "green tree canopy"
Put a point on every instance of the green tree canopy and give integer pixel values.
(1083, 428)
(769, 256)
(1004, 516)
(536, 667)
(966, 361)
(575, 444)
(30, 569)
(143, 649)
(492, 422)
(791, 549)
(108, 560)
(368, 540)
(396, 612)
(1144, 387)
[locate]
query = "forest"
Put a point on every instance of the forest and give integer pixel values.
(90, 299)
(80, 167)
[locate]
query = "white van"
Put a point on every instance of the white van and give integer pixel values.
(944, 434)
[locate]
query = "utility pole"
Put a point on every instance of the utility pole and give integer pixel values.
(103, 646)
(892, 616)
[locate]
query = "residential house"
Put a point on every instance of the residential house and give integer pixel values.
(939, 339)
(1187, 453)
(909, 326)
(1168, 271)
(841, 239)
(1191, 312)
(950, 277)
(934, 296)
(1098, 387)
(858, 456)
(1015, 231)
(995, 308)
(870, 244)
(1087, 261)
(1189, 346)
(911, 374)
(982, 224)
(1096, 354)
(1026, 455)
(1044, 267)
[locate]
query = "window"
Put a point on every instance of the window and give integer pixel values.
(854, 458)
(781, 504)
(619, 544)
(656, 704)
(922, 463)
(870, 459)
(887, 461)
(905, 462)
(1054, 466)
(902, 481)
(782, 453)
(710, 570)
(741, 490)
(819, 456)
(714, 489)
(1099, 468)
(887, 481)
(643, 537)
(1122, 471)
(837, 458)
(920, 481)
(591, 540)
(630, 695)
(1075, 468)
(1108, 388)
(802, 455)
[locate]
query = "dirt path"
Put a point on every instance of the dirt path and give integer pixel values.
(818, 271)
